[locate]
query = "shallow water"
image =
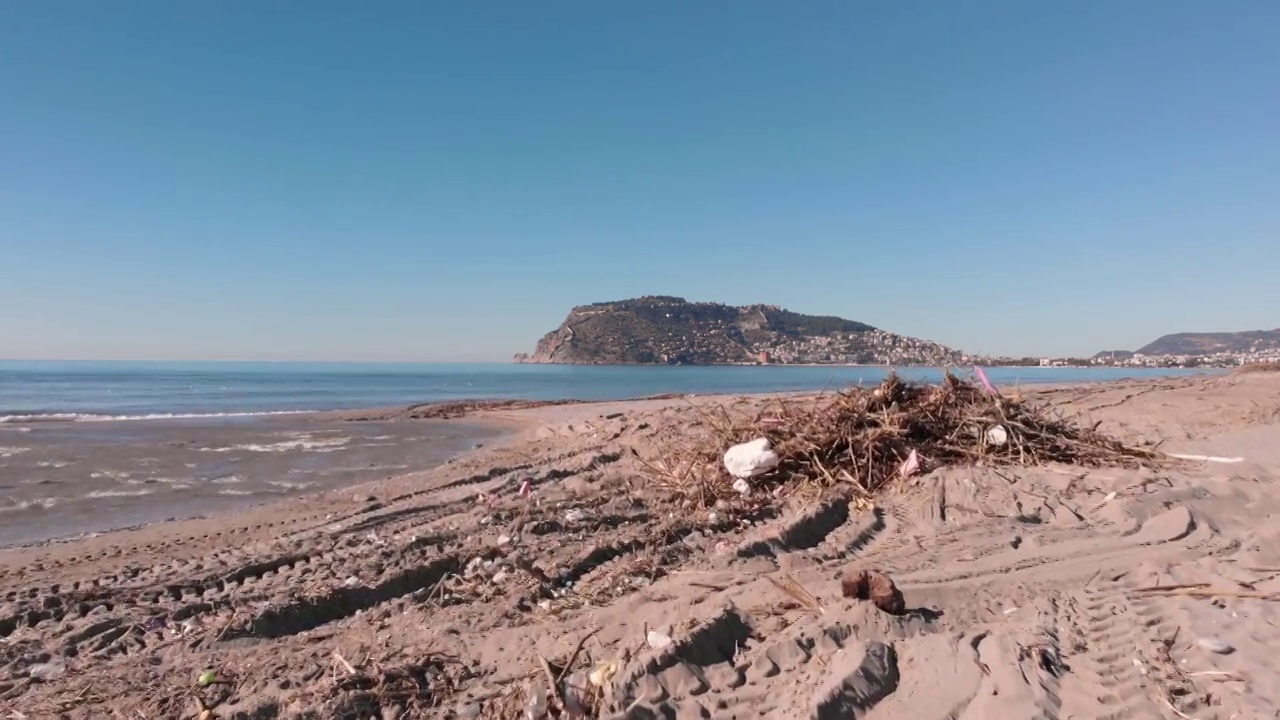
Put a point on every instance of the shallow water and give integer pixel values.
(59, 479)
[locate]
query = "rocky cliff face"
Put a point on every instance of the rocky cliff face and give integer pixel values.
(554, 347)
(669, 330)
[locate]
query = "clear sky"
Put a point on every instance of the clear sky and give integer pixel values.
(248, 179)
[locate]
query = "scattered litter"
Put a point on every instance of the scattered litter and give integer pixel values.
(535, 707)
(574, 515)
(351, 581)
(603, 673)
(997, 436)
(47, 672)
(504, 540)
(742, 486)
(1215, 645)
(578, 696)
(659, 641)
(525, 488)
(207, 678)
(982, 378)
(910, 465)
(1110, 496)
(1207, 458)
(1010, 611)
(750, 459)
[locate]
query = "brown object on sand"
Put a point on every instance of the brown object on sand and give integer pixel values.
(875, 586)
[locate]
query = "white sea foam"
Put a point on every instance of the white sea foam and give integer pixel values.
(118, 493)
(92, 417)
(227, 480)
(55, 464)
(309, 445)
(235, 492)
(39, 503)
(291, 485)
(109, 474)
(11, 451)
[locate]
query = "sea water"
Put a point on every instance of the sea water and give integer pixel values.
(68, 391)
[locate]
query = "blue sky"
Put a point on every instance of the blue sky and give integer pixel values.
(443, 181)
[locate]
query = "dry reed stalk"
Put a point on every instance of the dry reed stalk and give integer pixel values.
(793, 588)
(1199, 591)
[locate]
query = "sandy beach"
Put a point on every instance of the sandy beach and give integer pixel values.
(1031, 592)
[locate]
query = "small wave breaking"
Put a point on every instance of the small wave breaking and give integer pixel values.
(309, 445)
(57, 417)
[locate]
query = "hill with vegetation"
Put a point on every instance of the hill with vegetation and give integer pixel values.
(664, 330)
(1213, 343)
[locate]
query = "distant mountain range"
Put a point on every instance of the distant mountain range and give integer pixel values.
(1208, 343)
(664, 330)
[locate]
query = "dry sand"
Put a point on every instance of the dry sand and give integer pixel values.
(1029, 589)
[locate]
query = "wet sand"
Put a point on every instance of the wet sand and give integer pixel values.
(1047, 592)
(61, 479)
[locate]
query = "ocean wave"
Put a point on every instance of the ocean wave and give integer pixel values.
(235, 492)
(55, 464)
(118, 493)
(38, 417)
(285, 484)
(11, 451)
(321, 445)
(175, 483)
(39, 503)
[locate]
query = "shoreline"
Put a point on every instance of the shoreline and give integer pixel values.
(488, 424)
(554, 535)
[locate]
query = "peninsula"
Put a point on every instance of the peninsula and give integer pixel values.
(664, 330)
(1200, 349)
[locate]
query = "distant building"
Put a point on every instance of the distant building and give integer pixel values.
(764, 357)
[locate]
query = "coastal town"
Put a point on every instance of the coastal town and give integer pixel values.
(877, 347)
(872, 347)
(1137, 359)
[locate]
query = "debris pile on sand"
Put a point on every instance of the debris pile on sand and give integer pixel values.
(868, 438)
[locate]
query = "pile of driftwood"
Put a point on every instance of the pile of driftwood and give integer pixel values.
(868, 438)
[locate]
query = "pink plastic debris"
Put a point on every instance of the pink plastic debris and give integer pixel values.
(982, 377)
(911, 465)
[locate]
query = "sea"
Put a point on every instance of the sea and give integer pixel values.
(87, 447)
(97, 391)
